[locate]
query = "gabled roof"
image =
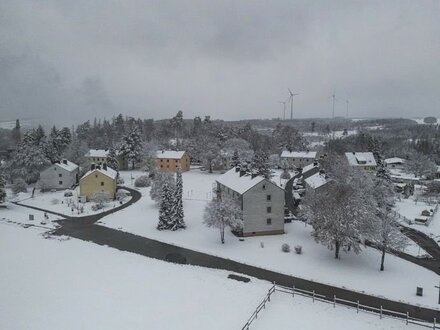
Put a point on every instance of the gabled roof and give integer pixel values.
(169, 154)
(316, 180)
(394, 160)
(111, 173)
(298, 154)
(360, 158)
(97, 153)
(239, 184)
(67, 165)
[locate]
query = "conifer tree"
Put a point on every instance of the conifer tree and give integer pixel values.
(260, 165)
(112, 160)
(2, 188)
(177, 207)
(165, 209)
(235, 160)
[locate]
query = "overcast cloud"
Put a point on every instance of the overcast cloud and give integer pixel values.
(68, 61)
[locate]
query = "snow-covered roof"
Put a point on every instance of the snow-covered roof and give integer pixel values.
(438, 169)
(394, 160)
(298, 154)
(239, 184)
(360, 158)
(169, 154)
(67, 165)
(316, 180)
(111, 173)
(97, 153)
(309, 168)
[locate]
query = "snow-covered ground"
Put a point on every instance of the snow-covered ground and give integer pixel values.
(51, 284)
(19, 215)
(421, 120)
(411, 209)
(356, 272)
(56, 202)
(284, 312)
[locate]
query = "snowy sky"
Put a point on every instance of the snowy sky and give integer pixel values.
(66, 61)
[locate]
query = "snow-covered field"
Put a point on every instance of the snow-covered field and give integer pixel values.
(356, 272)
(285, 313)
(50, 284)
(20, 216)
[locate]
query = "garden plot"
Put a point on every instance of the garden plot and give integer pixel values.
(22, 216)
(356, 272)
(69, 206)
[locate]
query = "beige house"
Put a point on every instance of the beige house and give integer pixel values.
(169, 160)
(100, 179)
(99, 157)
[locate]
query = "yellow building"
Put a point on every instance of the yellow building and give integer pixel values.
(100, 179)
(169, 160)
(99, 156)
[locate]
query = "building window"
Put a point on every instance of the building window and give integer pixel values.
(269, 221)
(269, 209)
(268, 198)
(102, 183)
(161, 166)
(60, 182)
(96, 175)
(60, 175)
(168, 166)
(264, 187)
(168, 160)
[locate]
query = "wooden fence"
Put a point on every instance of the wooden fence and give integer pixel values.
(355, 305)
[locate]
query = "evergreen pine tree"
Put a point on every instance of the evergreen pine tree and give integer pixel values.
(112, 160)
(260, 164)
(235, 160)
(132, 146)
(177, 207)
(2, 188)
(165, 209)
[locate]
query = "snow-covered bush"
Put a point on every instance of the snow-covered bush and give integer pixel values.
(262, 244)
(121, 195)
(142, 181)
(285, 247)
(285, 175)
(19, 186)
(55, 201)
(120, 180)
(100, 198)
(298, 249)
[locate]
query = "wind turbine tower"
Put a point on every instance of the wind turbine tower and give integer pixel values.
(284, 108)
(334, 100)
(346, 115)
(291, 98)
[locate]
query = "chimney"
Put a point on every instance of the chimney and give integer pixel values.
(242, 173)
(315, 163)
(237, 169)
(98, 167)
(253, 175)
(104, 167)
(92, 166)
(65, 161)
(354, 153)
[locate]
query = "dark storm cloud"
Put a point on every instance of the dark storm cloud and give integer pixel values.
(72, 60)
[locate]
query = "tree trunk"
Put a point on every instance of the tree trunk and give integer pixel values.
(132, 164)
(210, 167)
(222, 233)
(337, 246)
(382, 262)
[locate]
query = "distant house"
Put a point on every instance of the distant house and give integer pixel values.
(316, 182)
(99, 157)
(61, 175)
(170, 160)
(437, 173)
(363, 160)
(299, 159)
(309, 170)
(261, 200)
(100, 179)
(394, 162)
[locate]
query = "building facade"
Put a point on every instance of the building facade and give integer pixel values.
(364, 160)
(62, 175)
(100, 179)
(99, 157)
(169, 161)
(299, 159)
(261, 201)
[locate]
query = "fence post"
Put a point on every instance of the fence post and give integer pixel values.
(334, 301)
(380, 311)
(357, 309)
(293, 291)
(407, 317)
(256, 313)
(435, 323)
(313, 295)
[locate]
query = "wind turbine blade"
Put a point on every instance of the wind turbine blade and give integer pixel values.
(290, 91)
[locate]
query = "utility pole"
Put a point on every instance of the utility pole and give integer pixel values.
(347, 109)
(334, 98)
